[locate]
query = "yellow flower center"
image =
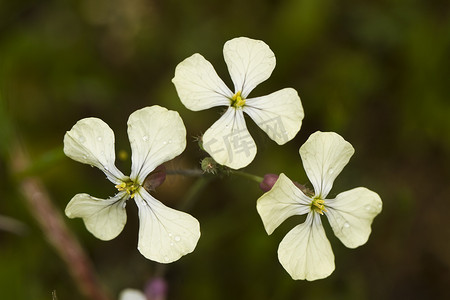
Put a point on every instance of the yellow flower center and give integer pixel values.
(237, 101)
(318, 205)
(128, 186)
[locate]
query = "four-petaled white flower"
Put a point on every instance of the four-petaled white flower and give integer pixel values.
(305, 251)
(156, 135)
(249, 62)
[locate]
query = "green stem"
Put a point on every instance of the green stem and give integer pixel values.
(186, 172)
(255, 178)
(193, 193)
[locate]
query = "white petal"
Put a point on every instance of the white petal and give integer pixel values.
(104, 218)
(165, 234)
(132, 294)
(249, 62)
(156, 136)
(228, 140)
(305, 251)
(351, 215)
(279, 114)
(281, 202)
(198, 85)
(324, 155)
(91, 141)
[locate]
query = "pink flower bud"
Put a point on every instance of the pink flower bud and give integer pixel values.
(156, 289)
(268, 182)
(155, 178)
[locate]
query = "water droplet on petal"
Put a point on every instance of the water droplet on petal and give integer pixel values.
(170, 235)
(81, 139)
(124, 204)
(346, 225)
(331, 171)
(85, 156)
(164, 143)
(368, 207)
(170, 141)
(99, 138)
(171, 244)
(166, 258)
(145, 138)
(177, 238)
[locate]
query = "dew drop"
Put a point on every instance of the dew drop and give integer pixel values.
(171, 244)
(331, 171)
(177, 238)
(170, 235)
(145, 138)
(346, 225)
(170, 141)
(379, 206)
(81, 139)
(166, 258)
(144, 202)
(124, 204)
(99, 138)
(85, 156)
(164, 143)
(368, 207)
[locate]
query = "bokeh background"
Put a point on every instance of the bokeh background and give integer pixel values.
(376, 72)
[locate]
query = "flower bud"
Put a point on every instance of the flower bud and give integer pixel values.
(268, 182)
(199, 140)
(155, 178)
(209, 165)
(156, 289)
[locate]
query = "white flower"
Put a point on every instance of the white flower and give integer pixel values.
(156, 136)
(305, 251)
(132, 294)
(249, 62)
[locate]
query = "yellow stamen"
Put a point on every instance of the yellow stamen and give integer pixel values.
(121, 187)
(237, 101)
(130, 187)
(318, 205)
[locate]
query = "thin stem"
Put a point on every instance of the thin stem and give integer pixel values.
(255, 178)
(55, 230)
(186, 172)
(12, 225)
(193, 193)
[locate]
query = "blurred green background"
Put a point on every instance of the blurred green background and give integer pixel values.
(376, 72)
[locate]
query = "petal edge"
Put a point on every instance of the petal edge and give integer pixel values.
(305, 251)
(351, 215)
(104, 218)
(281, 202)
(165, 234)
(324, 155)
